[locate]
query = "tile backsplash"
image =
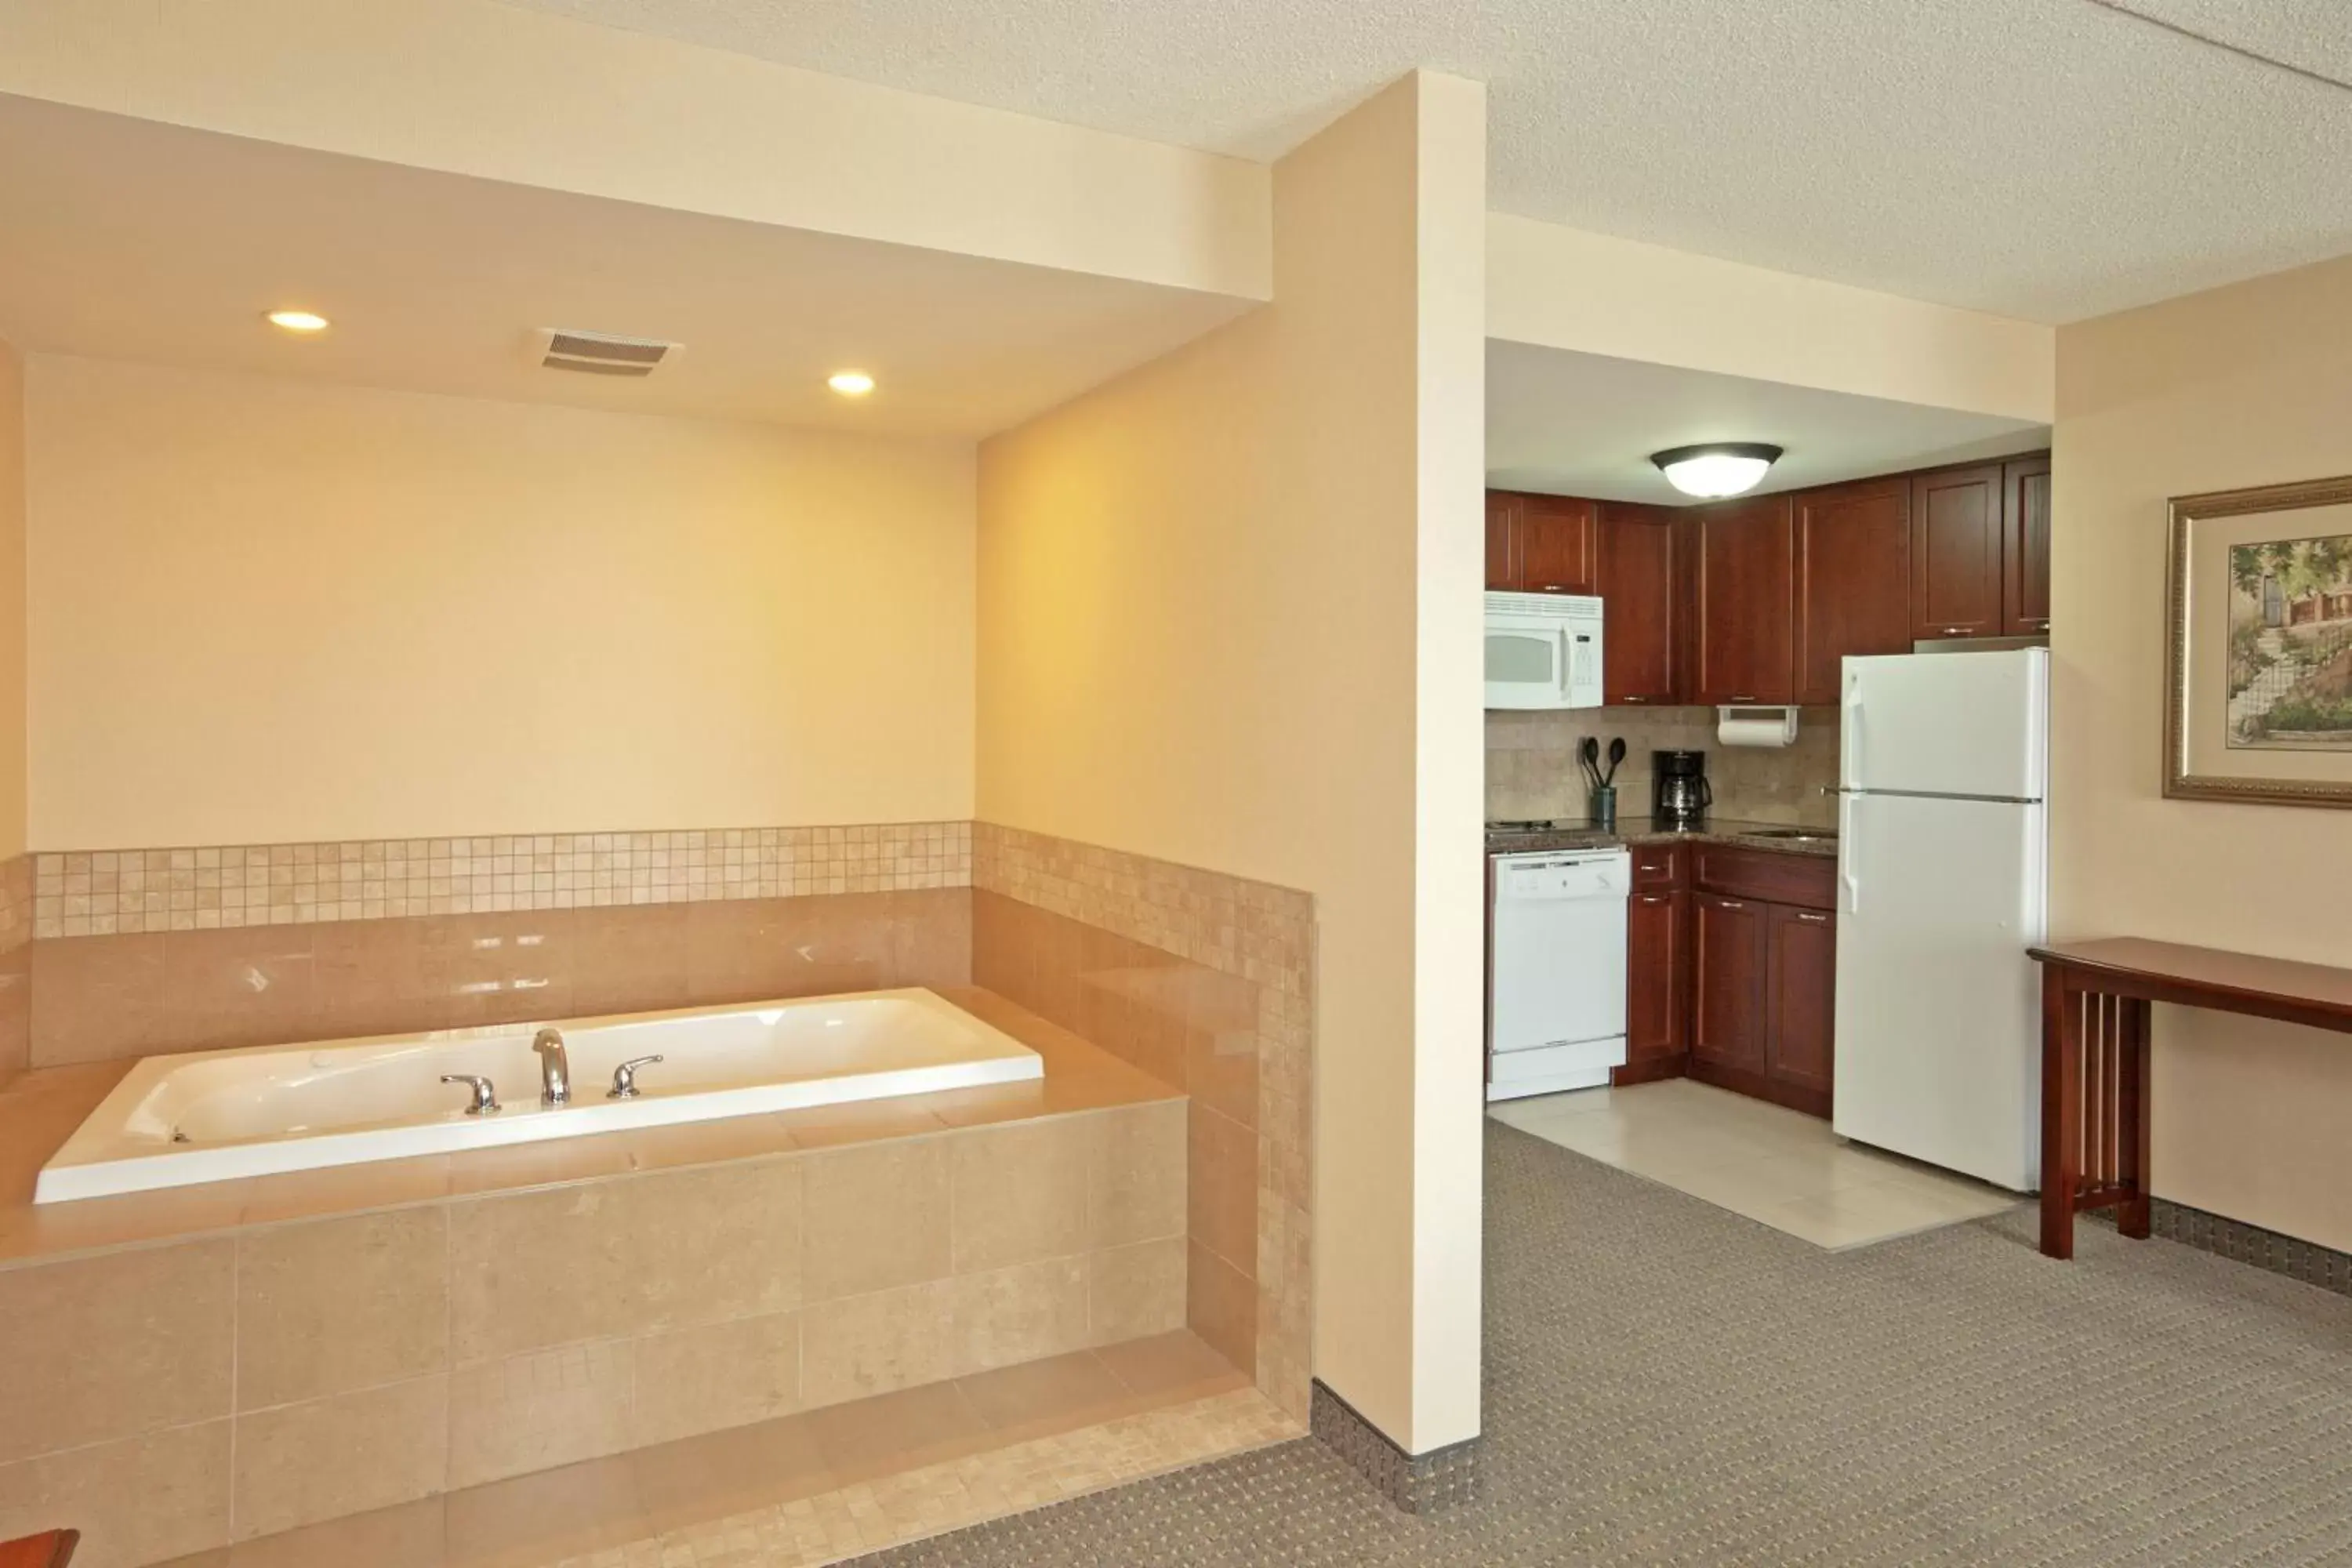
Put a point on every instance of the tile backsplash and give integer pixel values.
(1531, 769)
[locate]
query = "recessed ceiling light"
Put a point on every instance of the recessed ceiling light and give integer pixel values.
(1716, 468)
(298, 320)
(850, 383)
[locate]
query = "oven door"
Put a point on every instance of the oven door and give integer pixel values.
(1526, 661)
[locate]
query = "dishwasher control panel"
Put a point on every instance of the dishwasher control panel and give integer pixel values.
(1577, 876)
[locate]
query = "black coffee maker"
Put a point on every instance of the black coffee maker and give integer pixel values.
(1679, 794)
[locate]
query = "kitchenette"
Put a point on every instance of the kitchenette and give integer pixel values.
(1765, 802)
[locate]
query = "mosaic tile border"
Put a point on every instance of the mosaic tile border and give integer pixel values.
(2272, 1251)
(1428, 1483)
(121, 892)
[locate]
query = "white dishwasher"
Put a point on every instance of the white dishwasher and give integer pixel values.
(1556, 971)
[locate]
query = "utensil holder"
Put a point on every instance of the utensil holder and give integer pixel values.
(1605, 809)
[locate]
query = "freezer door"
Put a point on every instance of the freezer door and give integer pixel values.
(1938, 1008)
(1947, 724)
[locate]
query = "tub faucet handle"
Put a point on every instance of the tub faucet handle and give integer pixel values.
(486, 1097)
(624, 1078)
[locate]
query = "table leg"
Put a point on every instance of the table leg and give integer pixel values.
(2132, 1219)
(2062, 1110)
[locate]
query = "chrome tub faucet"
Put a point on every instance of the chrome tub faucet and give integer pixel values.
(555, 1067)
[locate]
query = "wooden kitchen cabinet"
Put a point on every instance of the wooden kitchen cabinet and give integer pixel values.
(1633, 573)
(1728, 958)
(2025, 546)
(1742, 563)
(1801, 998)
(1540, 544)
(1851, 579)
(1956, 532)
(1656, 976)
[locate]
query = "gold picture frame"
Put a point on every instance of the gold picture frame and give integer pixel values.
(2258, 672)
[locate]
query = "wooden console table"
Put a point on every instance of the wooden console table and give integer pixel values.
(2095, 1056)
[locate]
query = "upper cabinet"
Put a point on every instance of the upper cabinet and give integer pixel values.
(1956, 552)
(1852, 579)
(2025, 546)
(1742, 569)
(1633, 572)
(1540, 544)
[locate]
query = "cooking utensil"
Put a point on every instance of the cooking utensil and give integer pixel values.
(1616, 755)
(1589, 753)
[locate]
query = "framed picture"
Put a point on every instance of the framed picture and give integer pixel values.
(2258, 687)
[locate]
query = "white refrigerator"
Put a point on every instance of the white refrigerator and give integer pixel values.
(1944, 766)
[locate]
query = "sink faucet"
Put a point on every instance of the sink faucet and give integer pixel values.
(555, 1067)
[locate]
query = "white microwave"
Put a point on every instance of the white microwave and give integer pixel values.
(1543, 651)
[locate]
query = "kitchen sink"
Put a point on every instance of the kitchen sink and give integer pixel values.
(1792, 835)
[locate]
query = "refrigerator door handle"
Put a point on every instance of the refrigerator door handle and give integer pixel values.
(1848, 847)
(1850, 724)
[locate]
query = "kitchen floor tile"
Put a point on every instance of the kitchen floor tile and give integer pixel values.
(1763, 1162)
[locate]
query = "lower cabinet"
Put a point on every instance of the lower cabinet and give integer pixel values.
(1730, 987)
(1729, 958)
(1800, 998)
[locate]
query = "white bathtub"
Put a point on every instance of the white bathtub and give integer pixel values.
(211, 1116)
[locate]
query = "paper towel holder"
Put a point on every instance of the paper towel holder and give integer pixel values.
(1750, 724)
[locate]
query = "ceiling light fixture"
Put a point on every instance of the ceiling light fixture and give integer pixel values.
(298, 320)
(850, 383)
(1713, 470)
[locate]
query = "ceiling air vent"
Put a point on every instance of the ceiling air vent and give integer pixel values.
(600, 354)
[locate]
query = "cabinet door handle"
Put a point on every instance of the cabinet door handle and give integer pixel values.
(1654, 898)
(1740, 699)
(1956, 631)
(1810, 919)
(1729, 904)
(1633, 700)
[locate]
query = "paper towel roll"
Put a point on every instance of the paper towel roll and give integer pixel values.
(1756, 726)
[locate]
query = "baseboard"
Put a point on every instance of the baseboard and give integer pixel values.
(1650, 1070)
(2268, 1250)
(1428, 1483)
(1756, 1085)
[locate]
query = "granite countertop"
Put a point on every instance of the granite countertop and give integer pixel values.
(1642, 830)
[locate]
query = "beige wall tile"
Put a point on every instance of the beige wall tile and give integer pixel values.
(1136, 1176)
(140, 1500)
(1221, 1177)
(96, 997)
(877, 1216)
(1220, 1306)
(539, 1410)
(724, 1374)
(1132, 1291)
(862, 1345)
(611, 1258)
(100, 1348)
(1021, 1192)
(405, 1535)
(341, 1304)
(299, 1464)
(1020, 1314)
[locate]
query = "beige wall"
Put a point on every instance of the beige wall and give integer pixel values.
(265, 612)
(1566, 289)
(2243, 386)
(539, 100)
(11, 603)
(1229, 618)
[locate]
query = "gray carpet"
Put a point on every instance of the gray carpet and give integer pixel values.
(1669, 1384)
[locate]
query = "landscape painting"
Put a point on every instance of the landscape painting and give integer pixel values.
(2290, 648)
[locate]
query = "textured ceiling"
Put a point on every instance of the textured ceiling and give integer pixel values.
(2047, 159)
(1584, 424)
(435, 283)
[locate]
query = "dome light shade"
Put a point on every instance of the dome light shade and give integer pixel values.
(1716, 468)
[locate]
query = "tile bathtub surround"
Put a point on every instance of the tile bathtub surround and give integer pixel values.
(275, 1375)
(1532, 771)
(1206, 982)
(104, 998)
(122, 893)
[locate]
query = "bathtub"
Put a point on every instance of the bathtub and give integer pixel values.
(212, 1116)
